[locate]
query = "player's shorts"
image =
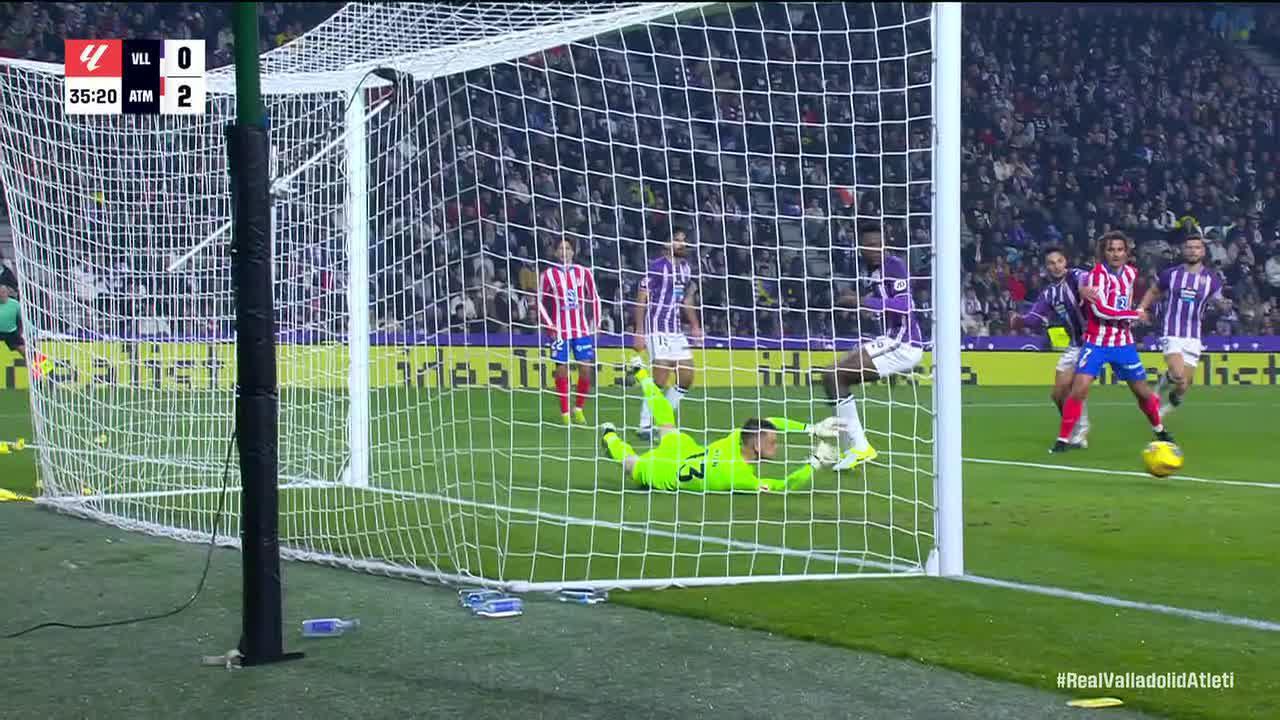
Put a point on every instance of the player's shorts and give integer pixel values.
(1124, 361)
(1188, 348)
(1067, 361)
(669, 347)
(12, 340)
(583, 349)
(660, 467)
(892, 357)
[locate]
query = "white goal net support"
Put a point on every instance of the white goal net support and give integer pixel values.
(420, 431)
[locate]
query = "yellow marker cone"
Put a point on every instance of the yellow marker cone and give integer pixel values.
(4, 448)
(1104, 702)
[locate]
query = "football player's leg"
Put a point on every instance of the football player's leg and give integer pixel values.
(1062, 382)
(559, 352)
(854, 368)
(1128, 367)
(1092, 358)
(663, 416)
(1179, 377)
(1064, 374)
(661, 370)
(584, 352)
(684, 381)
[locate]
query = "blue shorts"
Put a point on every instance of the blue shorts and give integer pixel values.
(583, 349)
(1124, 361)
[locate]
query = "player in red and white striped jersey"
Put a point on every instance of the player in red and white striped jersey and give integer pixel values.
(1107, 297)
(565, 294)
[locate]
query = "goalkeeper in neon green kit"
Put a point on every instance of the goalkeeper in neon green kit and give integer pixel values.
(680, 463)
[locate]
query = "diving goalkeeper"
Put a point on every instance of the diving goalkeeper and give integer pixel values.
(680, 463)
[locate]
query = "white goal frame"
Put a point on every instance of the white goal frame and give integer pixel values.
(292, 70)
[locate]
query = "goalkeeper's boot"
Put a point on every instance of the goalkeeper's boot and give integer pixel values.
(1164, 436)
(851, 458)
(579, 416)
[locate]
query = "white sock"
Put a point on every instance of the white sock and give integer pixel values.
(646, 417)
(1082, 425)
(674, 394)
(847, 410)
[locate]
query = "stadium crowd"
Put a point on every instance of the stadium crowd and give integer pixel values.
(1074, 122)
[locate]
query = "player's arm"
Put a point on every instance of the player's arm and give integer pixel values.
(1101, 305)
(1153, 293)
(545, 296)
(691, 311)
(595, 302)
(638, 313)
(899, 299)
(1035, 318)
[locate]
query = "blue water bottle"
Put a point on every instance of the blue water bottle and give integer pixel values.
(328, 627)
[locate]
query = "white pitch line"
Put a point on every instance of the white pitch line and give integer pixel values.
(1127, 473)
(1096, 403)
(837, 559)
(1052, 591)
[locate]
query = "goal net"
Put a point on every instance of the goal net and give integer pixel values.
(421, 431)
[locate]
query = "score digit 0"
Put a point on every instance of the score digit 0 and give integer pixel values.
(184, 81)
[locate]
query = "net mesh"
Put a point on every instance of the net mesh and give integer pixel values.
(433, 446)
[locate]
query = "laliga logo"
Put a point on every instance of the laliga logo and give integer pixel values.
(91, 55)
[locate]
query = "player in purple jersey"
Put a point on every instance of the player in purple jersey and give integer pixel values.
(897, 351)
(667, 292)
(1059, 302)
(1186, 289)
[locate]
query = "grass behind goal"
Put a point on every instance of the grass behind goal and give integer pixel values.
(487, 483)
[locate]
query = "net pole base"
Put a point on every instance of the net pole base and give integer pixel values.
(249, 661)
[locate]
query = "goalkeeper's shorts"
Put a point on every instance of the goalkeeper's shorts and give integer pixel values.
(660, 467)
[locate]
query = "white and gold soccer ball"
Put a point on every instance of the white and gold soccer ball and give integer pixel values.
(1162, 459)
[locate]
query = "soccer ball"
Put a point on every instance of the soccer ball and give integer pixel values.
(1162, 458)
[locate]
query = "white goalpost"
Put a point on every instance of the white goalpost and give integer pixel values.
(420, 434)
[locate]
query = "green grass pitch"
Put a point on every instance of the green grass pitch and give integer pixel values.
(1197, 545)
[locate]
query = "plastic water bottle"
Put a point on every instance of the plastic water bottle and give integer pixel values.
(328, 627)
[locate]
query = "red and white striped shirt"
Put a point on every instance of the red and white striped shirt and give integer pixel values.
(1110, 317)
(563, 295)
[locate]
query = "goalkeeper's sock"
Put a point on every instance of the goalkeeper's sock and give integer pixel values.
(658, 405)
(562, 389)
(674, 394)
(584, 387)
(847, 410)
(1151, 408)
(1071, 409)
(618, 448)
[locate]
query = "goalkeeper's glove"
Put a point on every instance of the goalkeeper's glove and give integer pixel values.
(829, 428)
(824, 455)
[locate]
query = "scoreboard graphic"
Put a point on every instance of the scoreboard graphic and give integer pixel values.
(134, 77)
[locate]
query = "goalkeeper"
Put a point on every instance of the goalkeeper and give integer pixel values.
(680, 463)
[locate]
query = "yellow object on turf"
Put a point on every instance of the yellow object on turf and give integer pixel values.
(4, 448)
(1162, 458)
(10, 496)
(21, 444)
(1096, 702)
